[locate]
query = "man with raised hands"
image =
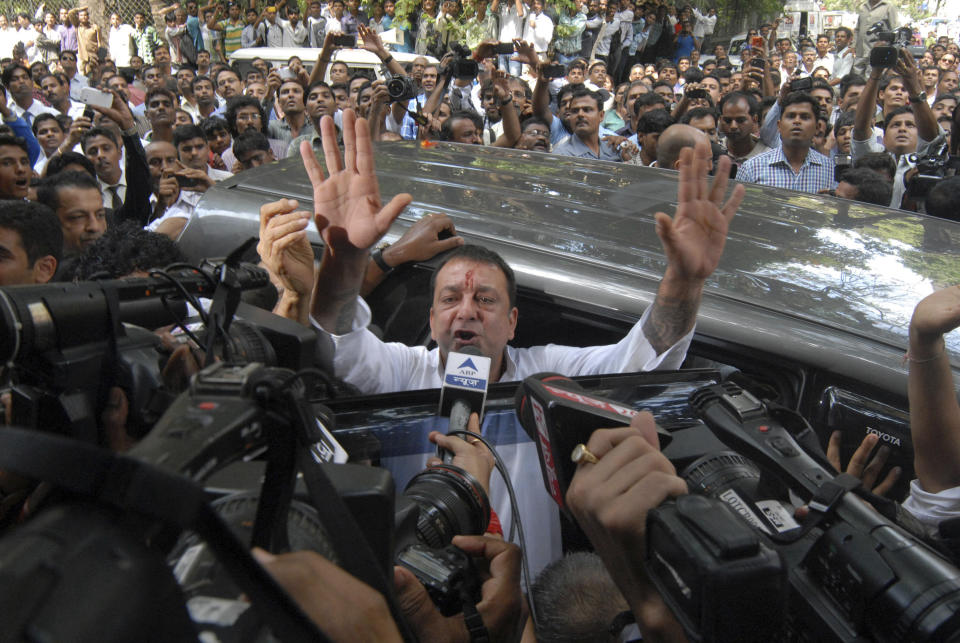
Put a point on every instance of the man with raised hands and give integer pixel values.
(474, 298)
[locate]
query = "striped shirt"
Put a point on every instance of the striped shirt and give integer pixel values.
(231, 35)
(773, 169)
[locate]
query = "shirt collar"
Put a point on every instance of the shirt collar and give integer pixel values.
(780, 158)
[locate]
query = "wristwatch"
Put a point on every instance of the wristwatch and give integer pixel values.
(919, 98)
(377, 256)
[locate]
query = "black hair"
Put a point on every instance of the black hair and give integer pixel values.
(654, 122)
(943, 200)
(59, 161)
(200, 79)
(753, 106)
(881, 162)
(819, 83)
(795, 98)
(446, 130)
(124, 249)
(871, 187)
(648, 100)
(692, 75)
(98, 131)
(38, 227)
(249, 141)
(533, 120)
(46, 116)
(156, 91)
(212, 124)
(698, 112)
(479, 254)
(583, 92)
(896, 111)
(48, 193)
(315, 84)
(235, 103)
(187, 133)
(886, 80)
(567, 89)
(10, 140)
(845, 119)
(7, 74)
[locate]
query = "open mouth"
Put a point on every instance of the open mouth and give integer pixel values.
(464, 336)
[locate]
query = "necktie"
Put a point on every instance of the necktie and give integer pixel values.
(115, 201)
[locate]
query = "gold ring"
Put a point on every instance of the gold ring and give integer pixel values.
(473, 440)
(582, 454)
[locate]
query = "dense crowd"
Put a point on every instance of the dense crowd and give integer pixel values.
(111, 136)
(603, 80)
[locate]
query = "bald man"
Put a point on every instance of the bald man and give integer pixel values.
(674, 139)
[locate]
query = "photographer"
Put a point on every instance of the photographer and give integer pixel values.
(905, 130)
(348, 610)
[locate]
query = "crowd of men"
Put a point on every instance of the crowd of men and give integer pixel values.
(808, 115)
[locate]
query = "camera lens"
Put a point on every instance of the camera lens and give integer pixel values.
(715, 473)
(451, 503)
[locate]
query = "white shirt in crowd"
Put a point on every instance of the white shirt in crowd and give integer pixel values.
(120, 44)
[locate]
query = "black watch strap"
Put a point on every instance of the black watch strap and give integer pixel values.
(377, 256)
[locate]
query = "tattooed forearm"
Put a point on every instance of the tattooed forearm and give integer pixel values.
(670, 319)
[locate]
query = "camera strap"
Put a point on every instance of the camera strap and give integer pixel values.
(356, 556)
(127, 484)
(823, 503)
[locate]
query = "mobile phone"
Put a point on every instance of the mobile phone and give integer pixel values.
(759, 63)
(88, 114)
(344, 40)
(697, 94)
(756, 42)
(554, 71)
(92, 96)
(801, 84)
(186, 182)
(286, 73)
(504, 48)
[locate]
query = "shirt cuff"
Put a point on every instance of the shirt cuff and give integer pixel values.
(670, 359)
(361, 319)
(932, 508)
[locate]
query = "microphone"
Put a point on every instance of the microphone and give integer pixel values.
(557, 414)
(464, 390)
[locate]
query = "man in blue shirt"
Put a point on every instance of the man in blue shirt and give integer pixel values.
(794, 164)
(585, 115)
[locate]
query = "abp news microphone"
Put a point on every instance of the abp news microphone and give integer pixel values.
(464, 390)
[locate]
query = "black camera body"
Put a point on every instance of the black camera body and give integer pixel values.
(801, 84)
(885, 56)
(932, 167)
(401, 88)
(732, 560)
(462, 65)
(845, 572)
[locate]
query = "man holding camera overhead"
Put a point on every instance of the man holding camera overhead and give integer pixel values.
(906, 129)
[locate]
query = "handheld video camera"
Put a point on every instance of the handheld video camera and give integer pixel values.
(885, 56)
(462, 65)
(732, 561)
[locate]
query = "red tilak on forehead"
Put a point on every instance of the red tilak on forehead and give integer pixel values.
(468, 280)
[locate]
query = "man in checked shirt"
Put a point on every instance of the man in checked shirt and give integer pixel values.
(794, 164)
